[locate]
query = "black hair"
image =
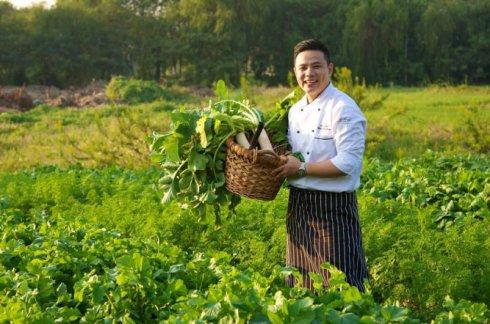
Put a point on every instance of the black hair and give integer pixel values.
(311, 45)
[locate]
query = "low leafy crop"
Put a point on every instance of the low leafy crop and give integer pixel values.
(54, 270)
(133, 91)
(409, 259)
(192, 154)
(458, 187)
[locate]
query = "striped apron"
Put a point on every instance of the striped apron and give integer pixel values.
(324, 227)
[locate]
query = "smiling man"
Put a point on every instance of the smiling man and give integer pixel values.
(328, 128)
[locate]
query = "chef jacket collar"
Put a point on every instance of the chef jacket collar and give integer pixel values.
(326, 93)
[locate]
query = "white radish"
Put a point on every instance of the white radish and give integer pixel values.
(241, 139)
(264, 142)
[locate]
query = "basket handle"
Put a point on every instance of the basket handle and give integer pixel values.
(255, 138)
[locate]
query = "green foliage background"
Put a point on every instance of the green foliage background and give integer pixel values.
(197, 42)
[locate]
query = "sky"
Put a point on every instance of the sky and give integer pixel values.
(28, 3)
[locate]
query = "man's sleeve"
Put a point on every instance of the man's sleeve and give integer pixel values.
(350, 137)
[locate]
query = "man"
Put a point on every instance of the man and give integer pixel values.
(328, 128)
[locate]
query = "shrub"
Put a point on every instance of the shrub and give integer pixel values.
(134, 91)
(357, 89)
(474, 130)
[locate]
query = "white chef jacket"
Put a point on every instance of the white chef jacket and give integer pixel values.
(332, 127)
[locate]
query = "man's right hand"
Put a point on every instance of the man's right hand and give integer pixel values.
(288, 169)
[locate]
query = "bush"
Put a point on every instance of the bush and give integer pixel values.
(474, 130)
(134, 91)
(357, 89)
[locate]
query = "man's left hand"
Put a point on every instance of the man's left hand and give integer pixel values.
(289, 169)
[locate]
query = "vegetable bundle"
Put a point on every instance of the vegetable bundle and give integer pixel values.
(192, 154)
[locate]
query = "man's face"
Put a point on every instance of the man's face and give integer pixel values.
(312, 72)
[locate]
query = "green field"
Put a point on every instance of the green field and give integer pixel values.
(85, 237)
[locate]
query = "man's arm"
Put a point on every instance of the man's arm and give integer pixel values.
(324, 169)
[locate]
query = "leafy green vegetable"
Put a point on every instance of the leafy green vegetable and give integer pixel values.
(192, 154)
(277, 123)
(458, 187)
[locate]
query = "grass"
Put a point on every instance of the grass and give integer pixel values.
(450, 119)
(425, 107)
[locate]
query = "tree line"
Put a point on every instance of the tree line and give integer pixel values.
(195, 42)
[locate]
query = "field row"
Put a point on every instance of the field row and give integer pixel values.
(58, 259)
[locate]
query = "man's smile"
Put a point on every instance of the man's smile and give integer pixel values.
(310, 82)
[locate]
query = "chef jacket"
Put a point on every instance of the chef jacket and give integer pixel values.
(332, 127)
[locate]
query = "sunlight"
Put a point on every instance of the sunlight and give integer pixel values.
(29, 3)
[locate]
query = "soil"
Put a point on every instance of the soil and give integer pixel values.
(27, 97)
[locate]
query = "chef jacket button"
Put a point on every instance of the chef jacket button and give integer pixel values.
(318, 109)
(312, 130)
(297, 132)
(301, 109)
(308, 153)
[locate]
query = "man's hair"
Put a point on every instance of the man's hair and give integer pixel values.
(311, 45)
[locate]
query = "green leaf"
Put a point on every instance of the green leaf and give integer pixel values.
(220, 179)
(334, 316)
(221, 91)
(185, 179)
(317, 280)
(165, 180)
(172, 148)
(70, 314)
(197, 161)
(78, 291)
(275, 318)
(158, 141)
(217, 126)
(201, 130)
(98, 294)
(61, 289)
(171, 192)
(211, 311)
(211, 196)
(394, 314)
(352, 294)
(306, 317)
(299, 305)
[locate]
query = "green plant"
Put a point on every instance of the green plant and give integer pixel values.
(132, 91)
(277, 119)
(474, 132)
(456, 186)
(409, 258)
(357, 89)
(192, 154)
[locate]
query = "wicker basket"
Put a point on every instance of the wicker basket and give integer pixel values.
(249, 172)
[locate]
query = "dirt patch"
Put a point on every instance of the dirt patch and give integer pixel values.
(27, 97)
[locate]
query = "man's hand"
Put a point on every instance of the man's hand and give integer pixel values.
(289, 169)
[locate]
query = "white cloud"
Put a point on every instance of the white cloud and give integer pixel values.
(29, 3)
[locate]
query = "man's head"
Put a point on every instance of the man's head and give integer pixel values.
(312, 67)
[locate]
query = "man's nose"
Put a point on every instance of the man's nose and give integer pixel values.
(308, 71)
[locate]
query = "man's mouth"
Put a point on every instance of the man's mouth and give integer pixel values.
(310, 82)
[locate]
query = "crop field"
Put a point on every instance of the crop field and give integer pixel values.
(85, 237)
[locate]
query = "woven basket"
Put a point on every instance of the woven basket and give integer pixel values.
(249, 172)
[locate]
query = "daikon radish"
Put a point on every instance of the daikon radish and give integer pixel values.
(241, 139)
(264, 142)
